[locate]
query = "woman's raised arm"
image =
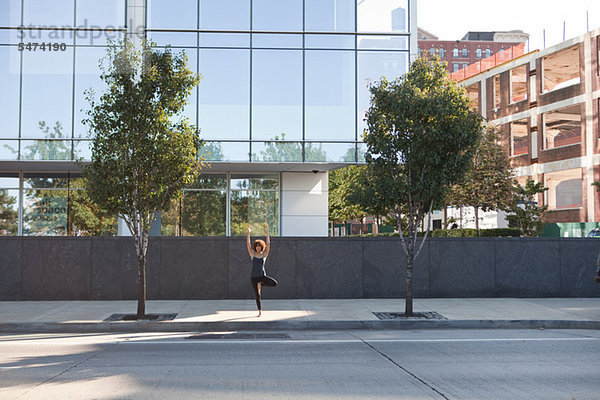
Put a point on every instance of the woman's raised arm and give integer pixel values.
(248, 244)
(268, 241)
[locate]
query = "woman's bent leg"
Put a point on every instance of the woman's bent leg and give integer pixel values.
(269, 281)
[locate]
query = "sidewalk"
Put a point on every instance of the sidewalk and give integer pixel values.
(228, 315)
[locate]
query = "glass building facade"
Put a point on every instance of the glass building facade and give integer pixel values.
(284, 83)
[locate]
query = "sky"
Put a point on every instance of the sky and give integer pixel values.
(450, 20)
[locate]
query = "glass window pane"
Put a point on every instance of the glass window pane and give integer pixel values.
(169, 14)
(224, 40)
(9, 211)
(44, 212)
(48, 180)
(254, 208)
(329, 15)
(190, 110)
(10, 13)
(277, 95)
(225, 151)
(270, 40)
(105, 14)
(203, 213)
(9, 180)
(383, 16)
(47, 93)
(85, 217)
(47, 13)
(46, 149)
(384, 42)
(174, 39)
(329, 152)
(170, 221)
(255, 181)
(9, 101)
(225, 15)
(224, 111)
(330, 107)
(277, 15)
(87, 78)
(82, 150)
(371, 67)
(329, 41)
(209, 181)
(277, 151)
(9, 149)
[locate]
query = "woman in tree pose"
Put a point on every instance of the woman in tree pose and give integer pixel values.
(258, 253)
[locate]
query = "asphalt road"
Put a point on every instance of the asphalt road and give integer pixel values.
(484, 364)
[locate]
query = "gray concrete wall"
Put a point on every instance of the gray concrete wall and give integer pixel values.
(54, 268)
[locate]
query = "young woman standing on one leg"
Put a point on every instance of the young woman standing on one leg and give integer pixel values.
(258, 253)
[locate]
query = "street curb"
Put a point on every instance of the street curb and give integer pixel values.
(173, 326)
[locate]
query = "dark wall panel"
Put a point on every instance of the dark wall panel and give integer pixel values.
(10, 269)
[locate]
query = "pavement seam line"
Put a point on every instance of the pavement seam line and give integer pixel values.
(66, 370)
(402, 368)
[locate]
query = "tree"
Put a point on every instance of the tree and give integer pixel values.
(8, 213)
(280, 150)
(488, 184)
(141, 155)
(524, 211)
(341, 209)
(421, 136)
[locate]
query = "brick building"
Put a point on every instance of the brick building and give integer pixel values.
(546, 106)
(473, 47)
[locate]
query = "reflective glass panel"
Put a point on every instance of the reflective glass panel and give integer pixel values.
(87, 79)
(371, 67)
(330, 93)
(379, 42)
(277, 15)
(174, 39)
(9, 181)
(48, 180)
(329, 41)
(383, 16)
(224, 111)
(10, 13)
(225, 14)
(9, 211)
(45, 212)
(329, 152)
(170, 221)
(270, 40)
(85, 217)
(104, 14)
(209, 181)
(169, 14)
(46, 150)
(190, 110)
(47, 13)
(277, 95)
(329, 15)
(47, 93)
(203, 213)
(9, 149)
(82, 150)
(277, 151)
(225, 151)
(33, 39)
(9, 101)
(361, 150)
(255, 181)
(254, 208)
(224, 40)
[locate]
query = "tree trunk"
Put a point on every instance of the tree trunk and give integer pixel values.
(408, 310)
(477, 219)
(141, 245)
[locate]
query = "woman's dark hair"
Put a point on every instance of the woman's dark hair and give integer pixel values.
(261, 242)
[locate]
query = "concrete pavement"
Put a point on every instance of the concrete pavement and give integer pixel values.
(228, 315)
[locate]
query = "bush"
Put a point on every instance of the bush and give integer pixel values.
(467, 232)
